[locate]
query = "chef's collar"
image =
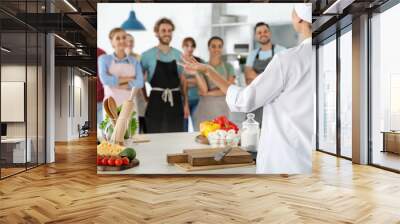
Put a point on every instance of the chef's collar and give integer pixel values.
(120, 60)
(306, 41)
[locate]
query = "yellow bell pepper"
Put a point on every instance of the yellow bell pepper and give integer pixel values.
(207, 127)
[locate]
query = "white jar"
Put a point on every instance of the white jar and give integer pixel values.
(250, 134)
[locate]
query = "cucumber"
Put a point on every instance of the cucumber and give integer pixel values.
(128, 152)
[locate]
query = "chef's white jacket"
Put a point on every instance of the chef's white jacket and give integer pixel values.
(285, 90)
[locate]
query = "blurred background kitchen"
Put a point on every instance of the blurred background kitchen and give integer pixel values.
(233, 22)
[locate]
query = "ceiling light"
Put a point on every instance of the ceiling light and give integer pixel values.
(5, 50)
(70, 5)
(132, 23)
(84, 71)
(64, 40)
(337, 7)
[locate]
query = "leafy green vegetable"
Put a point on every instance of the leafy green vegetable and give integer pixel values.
(133, 124)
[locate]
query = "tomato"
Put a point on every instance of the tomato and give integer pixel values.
(232, 124)
(111, 161)
(225, 123)
(234, 127)
(221, 120)
(99, 160)
(118, 162)
(125, 160)
(104, 161)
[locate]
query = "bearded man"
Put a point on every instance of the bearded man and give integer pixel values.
(168, 103)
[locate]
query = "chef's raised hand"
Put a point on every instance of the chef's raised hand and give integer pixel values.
(192, 65)
(187, 68)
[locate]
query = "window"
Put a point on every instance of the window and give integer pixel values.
(346, 93)
(394, 102)
(327, 97)
(22, 76)
(385, 89)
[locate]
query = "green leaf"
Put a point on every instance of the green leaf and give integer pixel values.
(104, 123)
(133, 124)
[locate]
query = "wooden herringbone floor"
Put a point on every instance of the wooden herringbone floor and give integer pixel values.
(69, 191)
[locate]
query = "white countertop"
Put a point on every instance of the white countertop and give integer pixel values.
(153, 156)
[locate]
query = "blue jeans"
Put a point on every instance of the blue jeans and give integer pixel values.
(192, 108)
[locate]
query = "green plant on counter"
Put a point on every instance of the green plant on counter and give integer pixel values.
(106, 124)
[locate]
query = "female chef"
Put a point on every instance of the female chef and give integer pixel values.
(212, 100)
(118, 71)
(285, 91)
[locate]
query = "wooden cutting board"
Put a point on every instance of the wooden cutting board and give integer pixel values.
(205, 157)
(188, 167)
(132, 164)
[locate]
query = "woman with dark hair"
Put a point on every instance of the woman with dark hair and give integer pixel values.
(212, 101)
(188, 47)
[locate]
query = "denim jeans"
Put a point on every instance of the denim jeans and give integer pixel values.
(192, 108)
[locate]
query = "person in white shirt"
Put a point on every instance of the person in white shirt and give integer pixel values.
(260, 57)
(285, 91)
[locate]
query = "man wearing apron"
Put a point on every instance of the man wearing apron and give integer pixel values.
(259, 58)
(168, 103)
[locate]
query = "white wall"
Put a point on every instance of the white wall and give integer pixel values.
(81, 83)
(33, 127)
(17, 73)
(61, 103)
(67, 119)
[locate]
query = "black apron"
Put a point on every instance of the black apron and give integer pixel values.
(161, 116)
(259, 66)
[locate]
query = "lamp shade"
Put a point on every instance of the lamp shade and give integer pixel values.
(132, 23)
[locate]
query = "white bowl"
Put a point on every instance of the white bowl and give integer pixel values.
(222, 138)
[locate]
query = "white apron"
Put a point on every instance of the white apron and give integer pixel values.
(120, 94)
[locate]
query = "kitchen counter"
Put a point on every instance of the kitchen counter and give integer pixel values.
(153, 156)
